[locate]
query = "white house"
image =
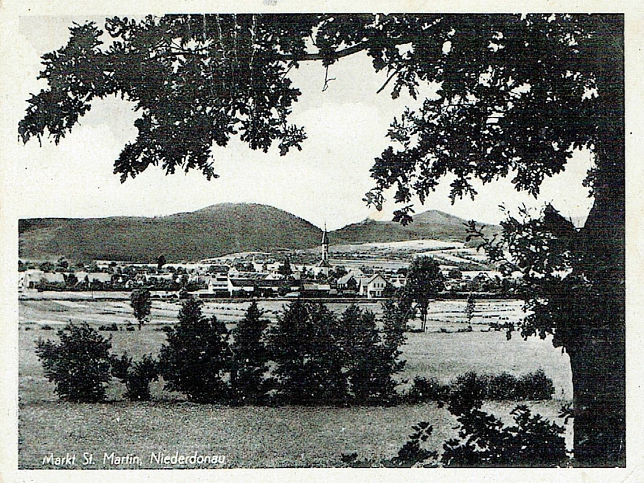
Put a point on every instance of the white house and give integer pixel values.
(31, 278)
(373, 286)
(218, 283)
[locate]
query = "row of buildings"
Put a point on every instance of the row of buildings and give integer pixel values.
(246, 278)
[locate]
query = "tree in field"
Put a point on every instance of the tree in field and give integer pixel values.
(141, 305)
(285, 268)
(396, 314)
(470, 307)
(161, 261)
(136, 375)
(424, 282)
(249, 357)
(517, 95)
(195, 359)
(78, 364)
(306, 346)
(360, 343)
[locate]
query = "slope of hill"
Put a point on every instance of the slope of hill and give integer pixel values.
(212, 231)
(431, 224)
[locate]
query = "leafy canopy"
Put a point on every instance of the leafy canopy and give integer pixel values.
(516, 93)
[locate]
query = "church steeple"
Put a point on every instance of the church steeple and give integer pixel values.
(325, 245)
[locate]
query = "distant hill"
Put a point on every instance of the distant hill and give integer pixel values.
(431, 224)
(210, 232)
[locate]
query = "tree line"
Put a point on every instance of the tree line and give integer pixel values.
(311, 355)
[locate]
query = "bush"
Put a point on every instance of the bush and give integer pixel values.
(485, 441)
(536, 386)
(79, 364)
(107, 328)
(504, 386)
(423, 390)
(137, 376)
(47, 327)
(196, 358)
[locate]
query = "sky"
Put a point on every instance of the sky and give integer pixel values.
(323, 183)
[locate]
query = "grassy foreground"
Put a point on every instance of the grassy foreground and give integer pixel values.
(249, 437)
(253, 437)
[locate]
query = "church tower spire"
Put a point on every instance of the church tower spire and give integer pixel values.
(325, 245)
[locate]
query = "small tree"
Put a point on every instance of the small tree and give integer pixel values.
(360, 342)
(161, 261)
(71, 280)
(424, 281)
(141, 304)
(470, 308)
(249, 356)
(196, 357)
(285, 268)
(136, 376)
(79, 364)
(394, 323)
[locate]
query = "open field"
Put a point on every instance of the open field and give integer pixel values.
(259, 436)
(445, 314)
(249, 437)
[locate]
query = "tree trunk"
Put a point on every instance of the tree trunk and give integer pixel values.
(597, 345)
(599, 399)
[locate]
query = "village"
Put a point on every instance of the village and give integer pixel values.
(256, 274)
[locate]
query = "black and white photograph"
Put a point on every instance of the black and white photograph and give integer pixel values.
(376, 240)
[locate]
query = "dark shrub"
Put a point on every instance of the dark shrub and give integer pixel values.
(136, 376)
(47, 327)
(466, 388)
(423, 390)
(535, 386)
(412, 453)
(502, 386)
(112, 327)
(79, 364)
(196, 358)
(485, 441)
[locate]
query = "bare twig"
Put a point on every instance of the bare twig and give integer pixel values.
(327, 79)
(393, 74)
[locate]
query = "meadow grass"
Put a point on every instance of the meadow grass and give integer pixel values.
(261, 436)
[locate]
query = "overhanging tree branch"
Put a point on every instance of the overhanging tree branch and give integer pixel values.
(313, 56)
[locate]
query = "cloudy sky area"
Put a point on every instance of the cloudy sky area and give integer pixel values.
(325, 182)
